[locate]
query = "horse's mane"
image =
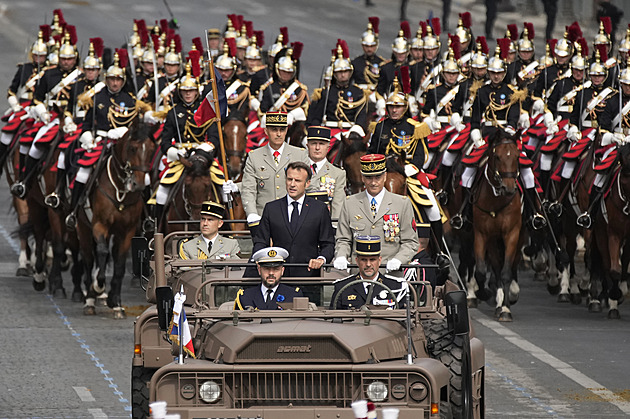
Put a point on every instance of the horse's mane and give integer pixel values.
(354, 144)
(392, 165)
(140, 131)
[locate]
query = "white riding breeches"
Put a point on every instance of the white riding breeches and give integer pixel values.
(468, 176)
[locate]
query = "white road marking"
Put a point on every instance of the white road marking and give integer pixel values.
(104, 7)
(84, 394)
(555, 363)
(97, 413)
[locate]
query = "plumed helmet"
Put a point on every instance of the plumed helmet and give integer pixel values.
(342, 62)
(463, 30)
(172, 55)
(400, 44)
(547, 59)
(226, 61)
(564, 47)
(92, 61)
(276, 47)
(286, 62)
(188, 81)
(369, 38)
(480, 57)
(624, 77)
(252, 52)
(450, 65)
(597, 68)
(497, 63)
(148, 56)
(603, 36)
(67, 50)
(526, 43)
(579, 62)
(624, 45)
(242, 41)
(39, 47)
(431, 40)
(116, 69)
(230, 32)
(399, 95)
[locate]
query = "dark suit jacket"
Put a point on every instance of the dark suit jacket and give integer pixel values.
(313, 237)
(355, 296)
(253, 297)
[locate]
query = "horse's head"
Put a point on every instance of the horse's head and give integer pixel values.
(235, 135)
(624, 158)
(502, 170)
(395, 178)
(296, 134)
(197, 186)
(354, 147)
(134, 153)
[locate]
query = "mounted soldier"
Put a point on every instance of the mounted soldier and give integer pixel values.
(367, 66)
(400, 57)
(237, 92)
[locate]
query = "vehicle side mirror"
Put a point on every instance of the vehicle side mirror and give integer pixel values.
(140, 256)
(165, 301)
(457, 312)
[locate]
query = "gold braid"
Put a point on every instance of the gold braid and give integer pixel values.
(191, 127)
(409, 148)
(120, 119)
(343, 104)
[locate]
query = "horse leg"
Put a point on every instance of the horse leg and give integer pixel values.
(614, 275)
(480, 267)
(625, 261)
(77, 270)
(509, 287)
(24, 266)
(119, 252)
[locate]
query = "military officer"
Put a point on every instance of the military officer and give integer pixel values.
(400, 58)
(563, 50)
(368, 258)
(376, 210)
(237, 92)
(263, 175)
(270, 292)
(214, 42)
(326, 177)
(210, 244)
(366, 66)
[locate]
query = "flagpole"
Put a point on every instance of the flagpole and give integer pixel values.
(181, 330)
(215, 95)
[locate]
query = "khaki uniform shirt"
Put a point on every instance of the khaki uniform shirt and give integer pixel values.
(197, 249)
(332, 179)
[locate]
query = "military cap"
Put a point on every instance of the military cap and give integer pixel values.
(214, 33)
(213, 208)
(275, 119)
(368, 245)
(372, 164)
(270, 256)
(318, 133)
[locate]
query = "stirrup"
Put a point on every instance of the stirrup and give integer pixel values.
(52, 200)
(442, 197)
(584, 220)
(538, 222)
(148, 225)
(555, 208)
(71, 221)
(457, 221)
(18, 189)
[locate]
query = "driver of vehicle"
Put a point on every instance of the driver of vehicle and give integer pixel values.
(368, 249)
(270, 292)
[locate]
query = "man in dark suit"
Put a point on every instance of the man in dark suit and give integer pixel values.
(298, 223)
(368, 249)
(270, 292)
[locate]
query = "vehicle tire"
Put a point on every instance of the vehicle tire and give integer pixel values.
(140, 378)
(455, 355)
(445, 411)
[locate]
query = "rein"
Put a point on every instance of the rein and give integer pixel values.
(498, 177)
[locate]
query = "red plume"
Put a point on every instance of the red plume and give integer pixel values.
(504, 45)
(297, 50)
(197, 43)
(607, 24)
(404, 79)
(99, 46)
(530, 30)
(481, 40)
(239, 22)
(156, 41)
(552, 44)
(143, 32)
(231, 46)
(163, 25)
(178, 43)
(285, 35)
(59, 13)
(375, 21)
(423, 25)
(466, 19)
(436, 26)
(123, 57)
(195, 67)
(574, 32)
(45, 32)
(57, 38)
(513, 29)
(456, 46)
(72, 31)
(249, 28)
(333, 52)
(260, 38)
(344, 48)
(603, 52)
(404, 25)
(584, 46)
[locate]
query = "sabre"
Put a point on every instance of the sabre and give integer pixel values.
(132, 64)
(155, 80)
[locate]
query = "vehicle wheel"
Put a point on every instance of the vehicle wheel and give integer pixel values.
(456, 357)
(445, 411)
(140, 378)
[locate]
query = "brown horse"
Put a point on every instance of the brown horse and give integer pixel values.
(235, 136)
(497, 225)
(348, 156)
(117, 205)
(296, 134)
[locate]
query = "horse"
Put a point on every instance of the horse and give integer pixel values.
(348, 156)
(235, 136)
(117, 205)
(296, 134)
(497, 215)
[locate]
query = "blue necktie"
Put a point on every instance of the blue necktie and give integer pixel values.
(373, 207)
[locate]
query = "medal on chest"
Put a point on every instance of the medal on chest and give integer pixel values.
(328, 184)
(391, 226)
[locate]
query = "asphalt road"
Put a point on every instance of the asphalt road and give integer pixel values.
(552, 361)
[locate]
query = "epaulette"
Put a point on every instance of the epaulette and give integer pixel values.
(517, 95)
(383, 63)
(371, 127)
(302, 85)
(265, 84)
(317, 94)
(182, 255)
(421, 129)
(142, 106)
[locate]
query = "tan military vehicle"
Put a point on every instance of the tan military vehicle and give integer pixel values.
(305, 361)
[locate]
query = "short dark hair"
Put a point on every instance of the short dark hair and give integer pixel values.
(297, 165)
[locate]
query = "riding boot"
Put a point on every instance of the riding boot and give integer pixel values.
(556, 206)
(52, 199)
(442, 195)
(544, 182)
(465, 212)
(19, 188)
(77, 192)
(3, 157)
(158, 211)
(533, 217)
(585, 219)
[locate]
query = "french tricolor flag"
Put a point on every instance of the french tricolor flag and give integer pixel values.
(206, 110)
(179, 319)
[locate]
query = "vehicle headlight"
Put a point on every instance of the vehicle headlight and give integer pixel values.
(209, 391)
(377, 391)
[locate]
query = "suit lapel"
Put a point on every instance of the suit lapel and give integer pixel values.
(365, 205)
(201, 247)
(267, 157)
(284, 208)
(386, 204)
(303, 215)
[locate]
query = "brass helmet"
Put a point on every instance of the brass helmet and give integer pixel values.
(397, 97)
(137, 52)
(275, 48)
(188, 81)
(226, 61)
(417, 42)
(526, 44)
(161, 50)
(597, 68)
(230, 32)
(370, 36)
(342, 62)
(134, 39)
(480, 57)
(579, 62)
(624, 77)
(564, 47)
(431, 39)
(497, 63)
(39, 47)
(624, 45)
(546, 60)
(451, 64)
(67, 50)
(172, 56)
(400, 44)
(58, 23)
(603, 36)
(463, 30)
(253, 52)
(148, 56)
(242, 42)
(92, 61)
(286, 63)
(116, 70)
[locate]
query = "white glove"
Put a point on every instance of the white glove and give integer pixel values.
(574, 134)
(627, 139)
(296, 114)
(207, 147)
(87, 141)
(230, 186)
(253, 218)
(393, 264)
(173, 153)
(150, 119)
(538, 107)
(607, 139)
(254, 104)
(434, 125)
(14, 103)
(380, 107)
(411, 170)
(68, 125)
(523, 121)
(42, 113)
(357, 129)
(456, 122)
(619, 138)
(413, 106)
(475, 136)
(341, 263)
(511, 131)
(117, 133)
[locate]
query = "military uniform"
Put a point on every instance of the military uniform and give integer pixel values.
(237, 93)
(356, 295)
(441, 99)
(366, 71)
(562, 96)
(387, 75)
(331, 179)
(180, 128)
(498, 105)
(346, 106)
(466, 95)
(284, 97)
(27, 73)
(197, 248)
(167, 91)
(395, 136)
(548, 77)
(110, 110)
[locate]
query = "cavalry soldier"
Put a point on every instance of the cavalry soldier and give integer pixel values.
(432, 67)
(285, 93)
(253, 60)
(465, 35)
(263, 175)
(416, 49)
(524, 70)
(342, 106)
(400, 58)
(181, 135)
(214, 42)
(366, 66)
(167, 83)
(210, 244)
(50, 101)
(470, 86)
(368, 259)
(376, 210)
(145, 74)
(325, 177)
(266, 72)
(562, 52)
(603, 44)
(111, 113)
(237, 91)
